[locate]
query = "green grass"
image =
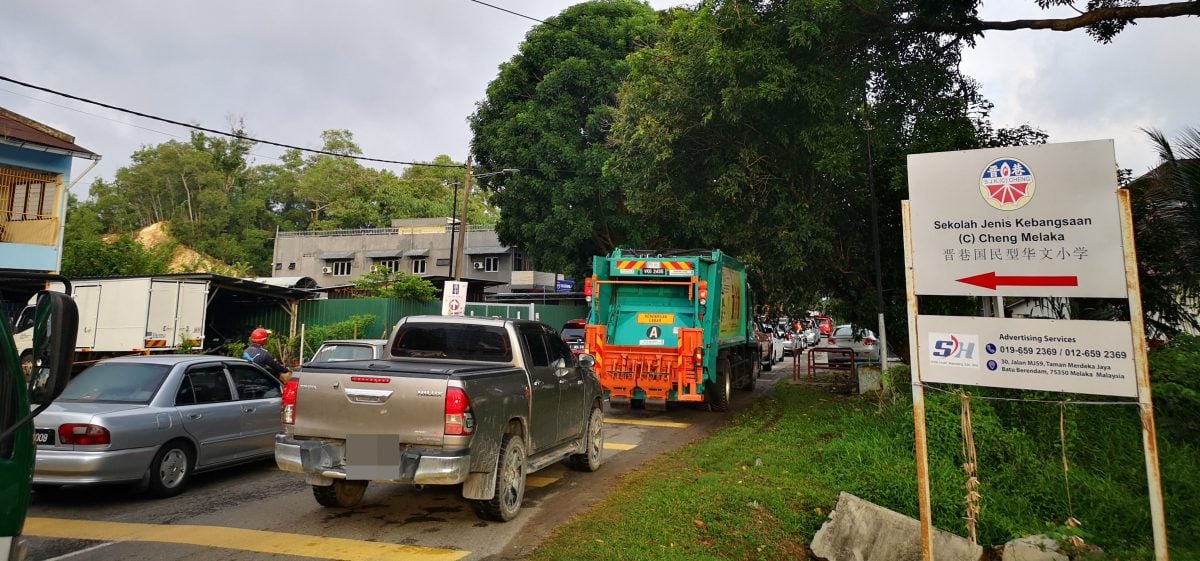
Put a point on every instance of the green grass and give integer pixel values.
(711, 499)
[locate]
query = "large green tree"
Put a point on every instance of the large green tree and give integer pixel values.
(746, 127)
(548, 113)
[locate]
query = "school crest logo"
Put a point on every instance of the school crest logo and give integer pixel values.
(1007, 184)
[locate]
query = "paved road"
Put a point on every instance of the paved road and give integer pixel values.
(257, 512)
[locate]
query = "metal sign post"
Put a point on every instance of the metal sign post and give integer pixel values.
(918, 394)
(1027, 221)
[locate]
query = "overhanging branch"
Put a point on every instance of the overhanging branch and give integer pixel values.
(1098, 15)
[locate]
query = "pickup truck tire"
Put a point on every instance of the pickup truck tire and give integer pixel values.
(510, 482)
(594, 443)
(171, 469)
(717, 392)
(342, 494)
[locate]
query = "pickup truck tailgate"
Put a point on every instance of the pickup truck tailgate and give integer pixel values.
(374, 399)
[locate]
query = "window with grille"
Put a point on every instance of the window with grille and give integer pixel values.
(491, 264)
(392, 265)
(27, 195)
(418, 267)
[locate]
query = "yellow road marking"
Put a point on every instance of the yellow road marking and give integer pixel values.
(647, 423)
(280, 543)
(618, 446)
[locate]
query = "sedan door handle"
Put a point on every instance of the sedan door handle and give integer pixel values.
(537, 383)
(248, 409)
(195, 415)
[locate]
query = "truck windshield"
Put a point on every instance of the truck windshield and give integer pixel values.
(116, 382)
(452, 341)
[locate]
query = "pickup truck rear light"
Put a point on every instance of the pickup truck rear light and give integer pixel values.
(869, 341)
(287, 408)
(459, 418)
(83, 434)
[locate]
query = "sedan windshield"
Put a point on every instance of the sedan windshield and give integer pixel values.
(116, 382)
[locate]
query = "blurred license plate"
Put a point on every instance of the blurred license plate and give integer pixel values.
(43, 436)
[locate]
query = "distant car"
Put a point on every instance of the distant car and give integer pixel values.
(336, 350)
(811, 335)
(796, 343)
(863, 342)
(769, 344)
(156, 420)
(572, 335)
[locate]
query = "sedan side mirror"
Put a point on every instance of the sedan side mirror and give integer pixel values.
(55, 323)
(587, 361)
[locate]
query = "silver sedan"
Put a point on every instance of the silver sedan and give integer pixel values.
(156, 420)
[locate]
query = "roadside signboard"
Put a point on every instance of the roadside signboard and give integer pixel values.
(564, 285)
(1093, 357)
(1032, 221)
(454, 298)
(1019, 221)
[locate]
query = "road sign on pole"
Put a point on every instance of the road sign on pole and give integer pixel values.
(1021, 221)
(454, 298)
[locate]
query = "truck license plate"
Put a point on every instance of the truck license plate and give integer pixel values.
(43, 436)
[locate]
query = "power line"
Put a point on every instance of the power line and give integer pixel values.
(118, 121)
(218, 132)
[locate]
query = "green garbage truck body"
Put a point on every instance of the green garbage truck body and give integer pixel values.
(669, 325)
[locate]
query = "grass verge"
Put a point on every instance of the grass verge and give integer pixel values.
(762, 486)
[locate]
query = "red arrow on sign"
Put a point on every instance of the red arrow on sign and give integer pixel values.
(992, 280)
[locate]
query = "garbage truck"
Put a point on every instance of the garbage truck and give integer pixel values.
(671, 326)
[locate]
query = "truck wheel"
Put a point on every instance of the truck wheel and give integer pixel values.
(769, 364)
(717, 391)
(342, 494)
(594, 444)
(171, 469)
(510, 482)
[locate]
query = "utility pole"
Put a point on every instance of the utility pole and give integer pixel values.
(867, 127)
(462, 223)
(453, 226)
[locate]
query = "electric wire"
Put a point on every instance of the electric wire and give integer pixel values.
(219, 132)
(118, 121)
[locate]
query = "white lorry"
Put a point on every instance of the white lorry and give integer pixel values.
(123, 316)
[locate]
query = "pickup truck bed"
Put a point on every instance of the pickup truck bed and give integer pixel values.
(478, 402)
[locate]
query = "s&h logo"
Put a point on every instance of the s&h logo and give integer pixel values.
(954, 349)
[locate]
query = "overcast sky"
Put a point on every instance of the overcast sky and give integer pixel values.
(403, 75)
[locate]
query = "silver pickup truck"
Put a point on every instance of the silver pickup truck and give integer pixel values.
(477, 402)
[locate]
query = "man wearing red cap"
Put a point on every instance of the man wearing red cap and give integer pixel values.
(259, 355)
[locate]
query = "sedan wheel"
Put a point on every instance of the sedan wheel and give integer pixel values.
(171, 469)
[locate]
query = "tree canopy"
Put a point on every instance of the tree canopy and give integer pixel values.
(548, 113)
